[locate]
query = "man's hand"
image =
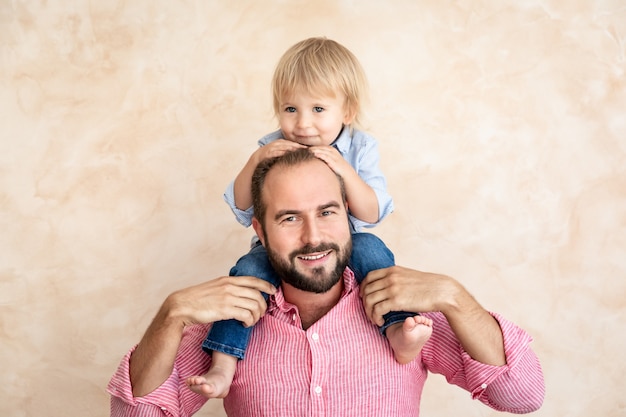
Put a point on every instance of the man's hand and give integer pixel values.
(223, 298)
(403, 289)
(219, 299)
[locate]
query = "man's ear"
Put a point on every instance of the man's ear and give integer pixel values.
(258, 229)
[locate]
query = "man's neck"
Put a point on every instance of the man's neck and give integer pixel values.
(312, 306)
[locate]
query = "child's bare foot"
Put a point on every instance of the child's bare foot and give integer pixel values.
(408, 338)
(216, 382)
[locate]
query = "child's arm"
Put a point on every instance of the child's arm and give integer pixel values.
(362, 200)
(243, 181)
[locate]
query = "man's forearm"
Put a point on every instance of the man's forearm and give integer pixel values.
(153, 360)
(478, 332)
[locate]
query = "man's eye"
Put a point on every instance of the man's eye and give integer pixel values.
(289, 219)
(318, 109)
(327, 213)
(290, 109)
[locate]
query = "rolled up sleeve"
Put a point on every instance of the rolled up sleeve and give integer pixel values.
(517, 387)
(244, 217)
(173, 398)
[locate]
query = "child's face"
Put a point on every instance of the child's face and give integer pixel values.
(313, 120)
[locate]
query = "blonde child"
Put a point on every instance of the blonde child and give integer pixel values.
(318, 87)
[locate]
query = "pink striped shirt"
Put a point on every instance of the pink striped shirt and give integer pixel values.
(340, 366)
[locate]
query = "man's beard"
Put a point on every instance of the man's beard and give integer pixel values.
(320, 282)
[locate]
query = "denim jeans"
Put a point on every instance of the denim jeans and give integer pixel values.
(368, 253)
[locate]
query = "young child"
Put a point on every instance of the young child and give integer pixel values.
(318, 87)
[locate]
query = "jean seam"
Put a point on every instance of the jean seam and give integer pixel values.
(229, 350)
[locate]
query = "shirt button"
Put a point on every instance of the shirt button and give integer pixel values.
(483, 386)
(318, 390)
(315, 337)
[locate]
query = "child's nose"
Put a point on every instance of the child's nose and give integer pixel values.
(303, 120)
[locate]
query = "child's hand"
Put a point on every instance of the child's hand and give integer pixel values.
(360, 196)
(276, 148)
(333, 159)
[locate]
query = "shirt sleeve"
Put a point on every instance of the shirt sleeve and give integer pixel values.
(517, 387)
(365, 159)
(173, 398)
(244, 217)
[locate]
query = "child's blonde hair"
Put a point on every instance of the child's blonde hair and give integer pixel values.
(320, 65)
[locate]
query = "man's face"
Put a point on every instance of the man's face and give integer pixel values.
(306, 231)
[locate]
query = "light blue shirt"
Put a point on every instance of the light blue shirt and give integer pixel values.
(361, 151)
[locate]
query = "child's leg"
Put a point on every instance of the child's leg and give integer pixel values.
(407, 332)
(228, 339)
(369, 253)
(230, 336)
(409, 337)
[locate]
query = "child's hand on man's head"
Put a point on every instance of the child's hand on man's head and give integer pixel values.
(276, 148)
(333, 159)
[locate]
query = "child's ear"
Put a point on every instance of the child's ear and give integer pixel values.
(349, 116)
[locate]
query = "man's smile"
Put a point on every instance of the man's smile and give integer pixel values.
(314, 257)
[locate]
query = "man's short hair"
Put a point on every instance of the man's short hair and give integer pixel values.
(288, 159)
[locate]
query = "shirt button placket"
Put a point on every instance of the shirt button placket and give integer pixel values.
(318, 373)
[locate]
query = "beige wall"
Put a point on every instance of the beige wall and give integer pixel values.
(503, 134)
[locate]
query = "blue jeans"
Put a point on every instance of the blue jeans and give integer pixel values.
(368, 253)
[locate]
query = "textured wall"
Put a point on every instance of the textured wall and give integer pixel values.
(503, 134)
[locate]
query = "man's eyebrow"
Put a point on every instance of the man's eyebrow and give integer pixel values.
(331, 204)
(321, 207)
(283, 213)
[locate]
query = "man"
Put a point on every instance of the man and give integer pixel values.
(315, 349)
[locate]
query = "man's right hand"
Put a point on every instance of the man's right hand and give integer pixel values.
(223, 298)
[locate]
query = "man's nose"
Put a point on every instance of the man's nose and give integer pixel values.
(311, 234)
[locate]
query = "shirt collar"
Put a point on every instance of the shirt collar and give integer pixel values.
(342, 143)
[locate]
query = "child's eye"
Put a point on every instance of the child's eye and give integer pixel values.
(318, 109)
(290, 109)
